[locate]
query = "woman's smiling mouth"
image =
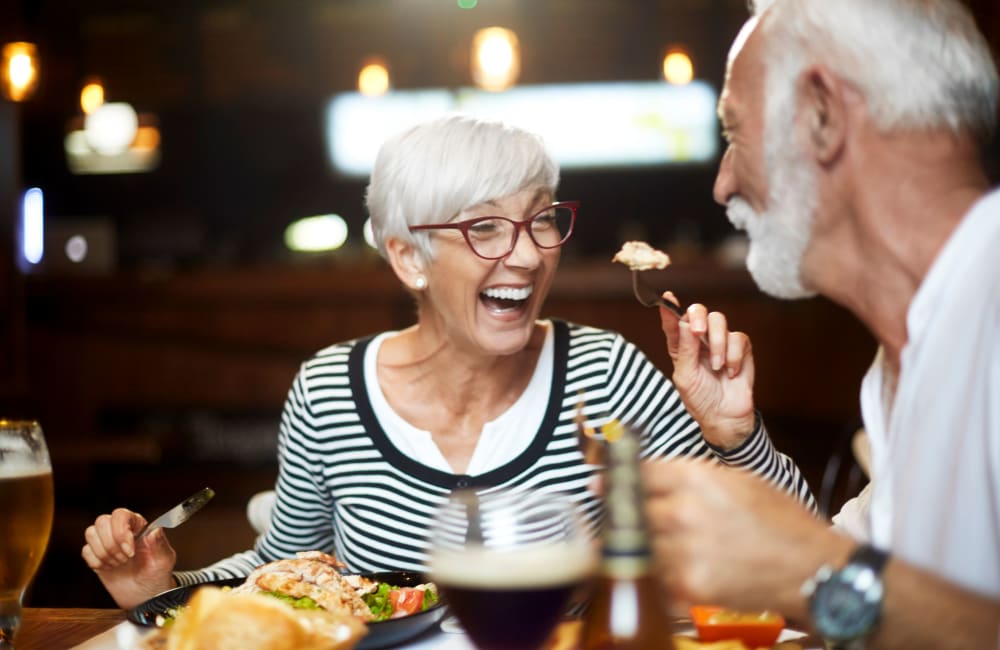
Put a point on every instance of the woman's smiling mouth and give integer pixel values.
(503, 299)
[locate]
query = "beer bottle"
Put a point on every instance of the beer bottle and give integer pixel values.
(626, 611)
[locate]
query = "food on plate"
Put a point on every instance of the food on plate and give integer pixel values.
(226, 620)
(687, 643)
(754, 629)
(640, 256)
(391, 601)
(313, 580)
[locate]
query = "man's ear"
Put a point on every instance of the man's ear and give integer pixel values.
(407, 262)
(823, 113)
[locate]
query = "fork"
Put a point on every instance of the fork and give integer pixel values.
(650, 297)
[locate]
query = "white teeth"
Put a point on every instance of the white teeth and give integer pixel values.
(508, 293)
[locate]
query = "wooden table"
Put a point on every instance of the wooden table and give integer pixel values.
(56, 629)
(59, 629)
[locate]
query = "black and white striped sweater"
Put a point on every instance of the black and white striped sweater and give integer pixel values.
(343, 487)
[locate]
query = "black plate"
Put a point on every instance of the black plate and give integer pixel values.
(380, 633)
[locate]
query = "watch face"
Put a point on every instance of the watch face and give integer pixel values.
(842, 612)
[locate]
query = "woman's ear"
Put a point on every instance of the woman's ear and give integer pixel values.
(407, 263)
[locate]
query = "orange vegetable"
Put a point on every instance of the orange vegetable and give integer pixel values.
(754, 629)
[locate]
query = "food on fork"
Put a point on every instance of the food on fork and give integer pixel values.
(640, 256)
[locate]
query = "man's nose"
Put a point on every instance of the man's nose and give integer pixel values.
(725, 182)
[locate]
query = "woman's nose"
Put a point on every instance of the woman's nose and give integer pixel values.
(525, 253)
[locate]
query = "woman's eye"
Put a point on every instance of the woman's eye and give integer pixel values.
(484, 228)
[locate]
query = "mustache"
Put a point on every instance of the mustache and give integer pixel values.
(740, 214)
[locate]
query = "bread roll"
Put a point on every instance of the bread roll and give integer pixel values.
(217, 620)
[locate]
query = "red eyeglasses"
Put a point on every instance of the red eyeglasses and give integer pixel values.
(495, 237)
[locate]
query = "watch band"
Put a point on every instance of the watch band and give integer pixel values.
(869, 556)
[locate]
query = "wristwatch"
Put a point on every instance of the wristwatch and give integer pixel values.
(846, 603)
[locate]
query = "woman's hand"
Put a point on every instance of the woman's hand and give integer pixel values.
(714, 381)
(132, 571)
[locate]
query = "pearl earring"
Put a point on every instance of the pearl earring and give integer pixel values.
(420, 283)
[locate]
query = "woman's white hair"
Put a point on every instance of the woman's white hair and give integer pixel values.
(431, 172)
(919, 63)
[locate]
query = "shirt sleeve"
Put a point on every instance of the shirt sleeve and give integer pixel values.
(643, 397)
(854, 519)
(758, 454)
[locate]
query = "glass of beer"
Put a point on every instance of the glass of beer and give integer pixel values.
(508, 563)
(26, 504)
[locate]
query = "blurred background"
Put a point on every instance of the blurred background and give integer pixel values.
(182, 222)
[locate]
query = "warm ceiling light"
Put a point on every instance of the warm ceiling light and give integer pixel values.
(91, 97)
(111, 129)
(20, 70)
(373, 79)
(677, 68)
(147, 138)
(496, 58)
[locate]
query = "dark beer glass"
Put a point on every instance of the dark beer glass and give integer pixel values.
(507, 564)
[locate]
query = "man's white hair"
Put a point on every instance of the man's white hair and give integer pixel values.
(919, 63)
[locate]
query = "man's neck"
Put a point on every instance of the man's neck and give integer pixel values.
(892, 214)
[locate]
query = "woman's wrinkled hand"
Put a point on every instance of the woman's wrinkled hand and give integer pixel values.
(131, 570)
(715, 381)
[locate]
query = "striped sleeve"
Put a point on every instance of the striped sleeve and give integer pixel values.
(643, 397)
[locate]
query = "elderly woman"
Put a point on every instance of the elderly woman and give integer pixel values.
(479, 392)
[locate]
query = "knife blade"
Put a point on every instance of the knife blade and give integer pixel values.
(179, 513)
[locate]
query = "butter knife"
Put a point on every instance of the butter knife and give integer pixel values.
(179, 513)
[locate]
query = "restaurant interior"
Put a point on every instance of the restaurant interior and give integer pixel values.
(158, 294)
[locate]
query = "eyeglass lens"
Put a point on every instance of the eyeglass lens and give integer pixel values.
(496, 237)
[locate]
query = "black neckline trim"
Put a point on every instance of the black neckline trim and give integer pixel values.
(522, 462)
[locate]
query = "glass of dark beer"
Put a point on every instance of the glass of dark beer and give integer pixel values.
(508, 562)
(26, 501)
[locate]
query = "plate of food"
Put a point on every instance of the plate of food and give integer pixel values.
(717, 628)
(375, 609)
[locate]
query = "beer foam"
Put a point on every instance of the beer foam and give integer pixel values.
(23, 468)
(542, 566)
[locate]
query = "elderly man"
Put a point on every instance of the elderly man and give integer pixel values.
(854, 130)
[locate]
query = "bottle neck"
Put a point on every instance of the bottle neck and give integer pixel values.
(625, 550)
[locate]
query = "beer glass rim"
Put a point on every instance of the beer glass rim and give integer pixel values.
(18, 423)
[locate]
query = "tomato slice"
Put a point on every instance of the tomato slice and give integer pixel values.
(405, 601)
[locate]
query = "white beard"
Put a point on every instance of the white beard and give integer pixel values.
(779, 235)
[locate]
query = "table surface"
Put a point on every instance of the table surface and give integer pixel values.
(62, 628)
(55, 628)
